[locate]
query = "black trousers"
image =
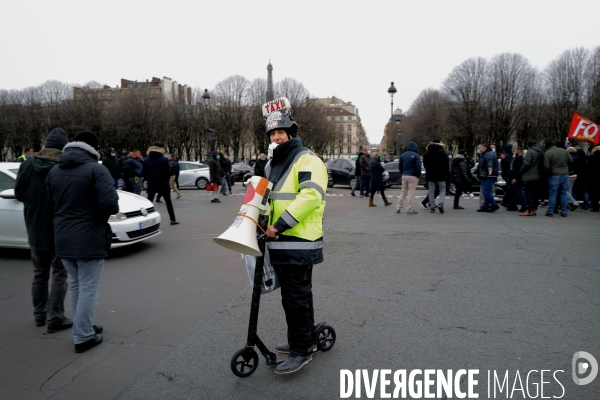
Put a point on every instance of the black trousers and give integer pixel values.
(297, 301)
(48, 299)
(380, 189)
(531, 192)
(166, 193)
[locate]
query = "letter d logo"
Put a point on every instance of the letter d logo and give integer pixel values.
(583, 366)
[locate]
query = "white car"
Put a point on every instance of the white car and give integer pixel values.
(191, 174)
(136, 220)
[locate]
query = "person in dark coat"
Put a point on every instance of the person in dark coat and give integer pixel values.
(593, 177)
(377, 171)
(580, 187)
(83, 197)
(121, 163)
(135, 168)
(110, 162)
(488, 173)
(460, 177)
(175, 169)
(531, 176)
(510, 200)
(30, 188)
(259, 166)
(216, 174)
(356, 173)
(436, 164)
(365, 173)
(514, 178)
(157, 173)
(225, 164)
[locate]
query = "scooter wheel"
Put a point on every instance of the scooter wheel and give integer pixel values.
(325, 338)
(244, 362)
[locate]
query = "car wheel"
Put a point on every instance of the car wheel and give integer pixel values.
(201, 183)
(145, 185)
(352, 183)
(329, 184)
(452, 189)
(121, 183)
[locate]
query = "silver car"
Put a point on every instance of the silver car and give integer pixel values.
(191, 174)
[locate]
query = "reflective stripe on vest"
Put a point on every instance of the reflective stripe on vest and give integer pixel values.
(295, 245)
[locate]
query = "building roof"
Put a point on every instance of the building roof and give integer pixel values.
(336, 112)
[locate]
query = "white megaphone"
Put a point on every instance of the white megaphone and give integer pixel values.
(241, 235)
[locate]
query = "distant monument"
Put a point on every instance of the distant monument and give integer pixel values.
(270, 94)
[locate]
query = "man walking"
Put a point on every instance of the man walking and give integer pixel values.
(83, 197)
(216, 174)
(365, 173)
(488, 173)
(515, 180)
(410, 169)
(135, 167)
(110, 162)
(557, 163)
(174, 169)
(30, 188)
(437, 166)
(157, 173)
(357, 174)
(460, 176)
(531, 175)
(259, 166)
(225, 164)
(510, 200)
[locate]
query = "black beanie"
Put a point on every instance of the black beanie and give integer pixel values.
(88, 137)
(56, 139)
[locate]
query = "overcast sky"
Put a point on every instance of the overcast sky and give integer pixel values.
(350, 49)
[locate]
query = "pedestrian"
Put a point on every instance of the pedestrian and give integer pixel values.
(510, 200)
(174, 170)
(259, 166)
(157, 173)
(110, 162)
(135, 167)
(573, 204)
(515, 180)
(460, 177)
(49, 286)
(216, 175)
(365, 173)
(437, 166)
(83, 197)
(531, 176)
(593, 177)
(299, 180)
(226, 166)
(357, 173)
(409, 165)
(26, 156)
(557, 163)
(488, 173)
(127, 186)
(377, 171)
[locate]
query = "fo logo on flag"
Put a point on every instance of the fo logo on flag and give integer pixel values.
(584, 129)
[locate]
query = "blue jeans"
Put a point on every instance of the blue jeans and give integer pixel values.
(84, 280)
(223, 186)
(365, 181)
(486, 188)
(558, 185)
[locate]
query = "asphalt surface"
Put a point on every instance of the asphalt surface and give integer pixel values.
(468, 290)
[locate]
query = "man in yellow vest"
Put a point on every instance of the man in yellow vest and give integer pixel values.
(297, 205)
(24, 157)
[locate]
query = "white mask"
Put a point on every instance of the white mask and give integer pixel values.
(272, 147)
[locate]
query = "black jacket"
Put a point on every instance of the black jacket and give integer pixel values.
(515, 168)
(506, 161)
(156, 170)
(214, 168)
(593, 170)
(111, 164)
(259, 167)
(435, 161)
(83, 197)
(225, 164)
(460, 171)
(377, 171)
(175, 167)
(30, 188)
(357, 170)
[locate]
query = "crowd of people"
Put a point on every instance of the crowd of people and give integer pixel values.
(563, 178)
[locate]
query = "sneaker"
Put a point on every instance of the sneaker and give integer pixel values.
(412, 212)
(159, 201)
(573, 207)
(93, 342)
(494, 208)
(292, 364)
(441, 208)
(483, 210)
(471, 195)
(177, 197)
(432, 210)
(563, 214)
(398, 211)
(174, 222)
(352, 194)
(425, 207)
(66, 323)
(549, 214)
(230, 193)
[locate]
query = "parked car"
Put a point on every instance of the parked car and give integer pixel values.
(395, 175)
(341, 171)
(247, 176)
(500, 186)
(191, 174)
(238, 172)
(136, 220)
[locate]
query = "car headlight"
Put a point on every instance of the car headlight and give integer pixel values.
(117, 217)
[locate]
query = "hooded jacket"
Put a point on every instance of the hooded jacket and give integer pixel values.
(214, 168)
(532, 162)
(156, 169)
(83, 197)
(506, 161)
(460, 171)
(30, 188)
(376, 172)
(110, 162)
(557, 161)
(436, 163)
(410, 162)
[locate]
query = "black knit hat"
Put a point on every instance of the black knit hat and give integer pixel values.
(88, 137)
(56, 139)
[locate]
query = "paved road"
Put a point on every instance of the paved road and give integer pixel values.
(459, 290)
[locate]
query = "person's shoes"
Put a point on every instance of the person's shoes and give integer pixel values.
(371, 203)
(574, 207)
(527, 213)
(556, 211)
(174, 222)
(230, 193)
(292, 364)
(584, 207)
(85, 346)
(563, 214)
(283, 348)
(512, 209)
(494, 208)
(522, 209)
(387, 203)
(425, 207)
(40, 322)
(66, 323)
(412, 212)
(224, 194)
(159, 201)
(398, 210)
(548, 214)
(432, 210)
(352, 194)
(459, 208)
(215, 201)
(471, 195)
(483, 210)
(178, 196)
(441, 208)
(98, 329)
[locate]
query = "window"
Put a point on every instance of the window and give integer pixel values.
(350, 128)
(341, 149)
(349, 138)
(341, 139)
(349, 118)
(341, 118)
(349, 149)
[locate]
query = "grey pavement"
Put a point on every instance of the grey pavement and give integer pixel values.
(493, 292)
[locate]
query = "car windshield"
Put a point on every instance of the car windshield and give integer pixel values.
(241, 166)
(14, 171)
(392, 165)
(6, 182)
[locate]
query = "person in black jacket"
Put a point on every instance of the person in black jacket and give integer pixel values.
(30, 188)
(216, 174)
(259, 166)
(110, 162)
(515, 180)
(121, 163)
(436, 164)
(83, 197)
(377, 171)
(357, 173)
(225, 164)
(157, 173)
(510, 200)
(460, 177)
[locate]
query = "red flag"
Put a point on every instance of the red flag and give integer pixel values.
(584, 129)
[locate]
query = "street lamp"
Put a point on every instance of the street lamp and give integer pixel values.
(206, 98)
(392, 91)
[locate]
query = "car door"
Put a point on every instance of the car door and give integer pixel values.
(13, 232)
(347, 168)
(186, 174)
(393, 169)
(336, 172)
